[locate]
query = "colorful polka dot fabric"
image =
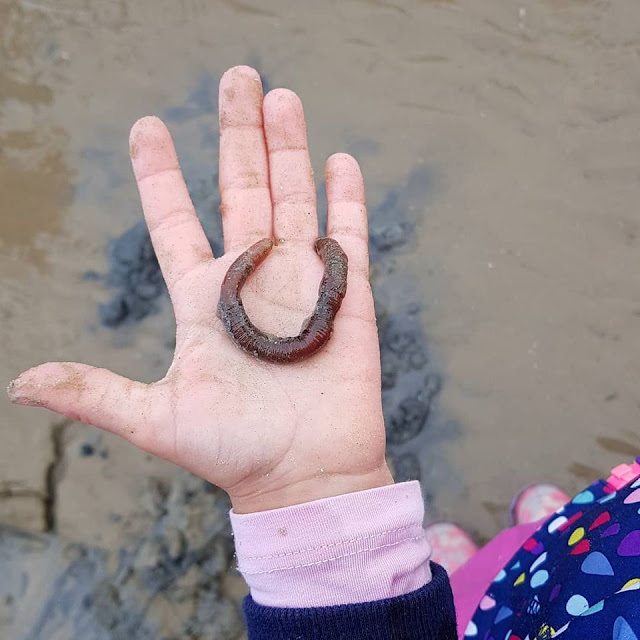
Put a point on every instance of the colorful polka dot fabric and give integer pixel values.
(577, 577)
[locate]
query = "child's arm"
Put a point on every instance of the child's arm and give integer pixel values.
(271, 435)
(364, 549)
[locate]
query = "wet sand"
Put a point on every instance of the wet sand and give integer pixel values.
(521, 122)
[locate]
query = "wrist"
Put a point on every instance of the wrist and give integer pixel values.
(309, 489)
(359, 547)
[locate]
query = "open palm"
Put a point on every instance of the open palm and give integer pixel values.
(270, 435)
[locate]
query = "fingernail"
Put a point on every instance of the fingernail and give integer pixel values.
(12, 390)
(17, 396)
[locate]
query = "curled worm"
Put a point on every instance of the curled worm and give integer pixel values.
(315, 331)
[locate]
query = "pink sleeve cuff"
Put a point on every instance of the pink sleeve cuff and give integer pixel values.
(357, 547)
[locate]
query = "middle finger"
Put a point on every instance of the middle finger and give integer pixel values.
(244, 175)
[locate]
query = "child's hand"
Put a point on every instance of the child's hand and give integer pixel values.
(270, 435)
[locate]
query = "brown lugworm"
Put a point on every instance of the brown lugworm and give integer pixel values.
(315, 331)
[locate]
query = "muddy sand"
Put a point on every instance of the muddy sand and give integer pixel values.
(499, 143)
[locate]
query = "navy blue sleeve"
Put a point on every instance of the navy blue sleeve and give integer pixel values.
(425, 614)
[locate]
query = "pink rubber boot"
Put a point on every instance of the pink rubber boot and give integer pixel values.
(451, 546)
(537, 502)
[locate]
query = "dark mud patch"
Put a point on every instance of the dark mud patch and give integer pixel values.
(134, 275)
(411, 378)
(181, 564)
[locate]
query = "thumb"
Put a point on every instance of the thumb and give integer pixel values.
(93, 396)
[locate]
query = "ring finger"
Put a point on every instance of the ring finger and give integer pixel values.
(292, 186)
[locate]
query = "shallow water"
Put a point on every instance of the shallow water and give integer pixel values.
(521, 121)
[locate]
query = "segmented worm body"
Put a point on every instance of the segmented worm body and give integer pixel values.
(315, 332)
